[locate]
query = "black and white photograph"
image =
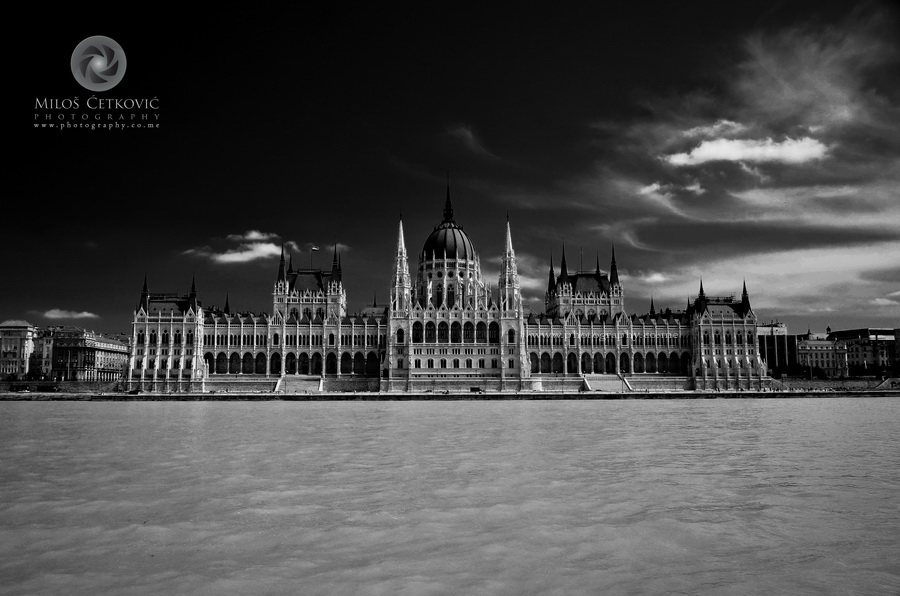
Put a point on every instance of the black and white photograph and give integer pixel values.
(453, 299)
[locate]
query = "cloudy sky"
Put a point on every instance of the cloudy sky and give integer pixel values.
(716, 141)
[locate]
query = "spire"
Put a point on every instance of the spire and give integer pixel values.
(290, 263)
(282, 272)
(193, 295)
(399, 298)
(652, 309)
(551, 284)
(702, 293)
(227, 308)
(401, 241)
(335, 266)
(448, 207)
(613, 271)
(374, 299)
(598, 264)
(563, 269)
(745, 300)
(509, 275)
(145, 296)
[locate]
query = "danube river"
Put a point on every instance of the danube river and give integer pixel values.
(741, 496)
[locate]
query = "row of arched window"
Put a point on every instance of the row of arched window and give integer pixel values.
(302, 364)
(717, 338)
(455, 333)
(167, 339)
(608, 363)
(610, 340)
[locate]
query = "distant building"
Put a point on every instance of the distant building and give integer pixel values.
(820, 355)
(778, 348)
(83, 355)
(16, 346)
(871, 351)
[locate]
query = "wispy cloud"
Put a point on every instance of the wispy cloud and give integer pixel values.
(721, 128)
(790, 151)
(885, 302)
(467, 137)
(59, 313)
(252, 236)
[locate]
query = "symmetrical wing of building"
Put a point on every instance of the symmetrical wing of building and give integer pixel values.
(445, 329)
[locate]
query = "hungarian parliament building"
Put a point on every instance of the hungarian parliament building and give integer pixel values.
(445, 330)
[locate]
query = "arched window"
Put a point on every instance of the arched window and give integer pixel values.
(399, 336)
(494, 333)
(511, 336)
(417, 333)
(443, 332)
(430, 332)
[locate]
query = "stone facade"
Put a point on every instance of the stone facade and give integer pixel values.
(445, 329)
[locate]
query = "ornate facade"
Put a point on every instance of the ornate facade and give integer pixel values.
(446, 329)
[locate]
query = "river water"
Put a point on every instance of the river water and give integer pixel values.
(743, 496)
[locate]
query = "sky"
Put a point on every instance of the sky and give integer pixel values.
(722, 142)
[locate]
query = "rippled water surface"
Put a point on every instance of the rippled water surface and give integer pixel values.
(757, 496)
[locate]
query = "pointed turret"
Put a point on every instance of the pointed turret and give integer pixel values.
(745, 301)
(613, 271)
(335, 266)
(282, 271)
(145, 296)
(192, 296)
(448, 206)
(551, 284)
(509, 275)
(400, 283)
(597, 273)
(227, 310)
(652, 309)
(563, 269)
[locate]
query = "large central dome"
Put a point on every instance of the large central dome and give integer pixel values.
(448, 239)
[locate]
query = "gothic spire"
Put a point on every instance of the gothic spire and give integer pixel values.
(448, 206)
(551, 284)
(145, 295)
(652, 309)
(745, 300)
(227, 308)
(335, 267)
(563, 269)
(193, 295)
(282, 272)
(613, 271)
